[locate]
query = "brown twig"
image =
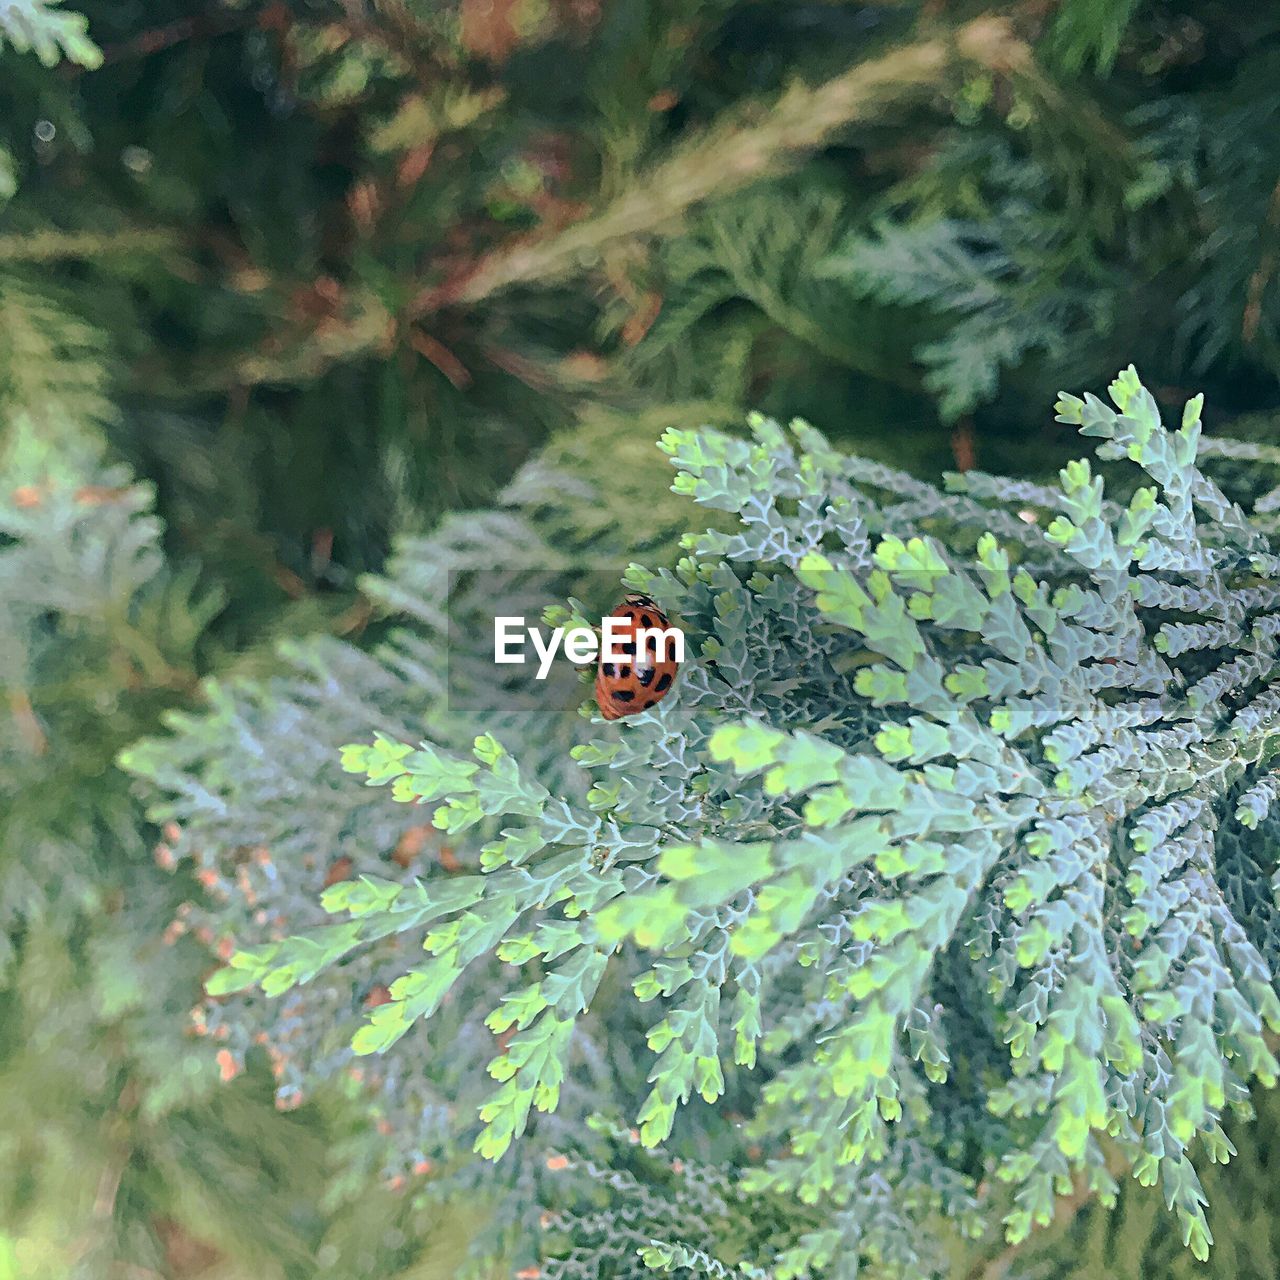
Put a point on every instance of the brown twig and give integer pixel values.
(964, 445)
(1065, 1211)
(431, 349)
(28, 723)
(1259, 280)
(119, 1126)
(156, 39)
(534, 376)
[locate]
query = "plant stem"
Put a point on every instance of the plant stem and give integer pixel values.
(727, 158)
(722, 160)
(53, 246)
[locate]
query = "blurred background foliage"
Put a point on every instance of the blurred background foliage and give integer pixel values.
(280, 281)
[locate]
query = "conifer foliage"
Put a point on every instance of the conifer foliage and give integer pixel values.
(52, 33)
(940, 893)
(946, 867)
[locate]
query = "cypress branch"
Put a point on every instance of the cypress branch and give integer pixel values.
(49, 246)
(731, 157)
(949, 859)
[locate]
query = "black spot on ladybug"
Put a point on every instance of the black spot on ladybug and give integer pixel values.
(652, 642)
(646, 621)
(623, 695)
(645, 675)
(624, 671)
(649, 702)
(664, 682)
(629, 648)
(607, 668)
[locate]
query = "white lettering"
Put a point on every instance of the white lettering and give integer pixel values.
(580, 645)
(620, 642)
(504, 637)
(667, 643)
(616, 631)
(545, 652)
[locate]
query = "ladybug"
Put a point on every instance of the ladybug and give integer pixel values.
(628, 687)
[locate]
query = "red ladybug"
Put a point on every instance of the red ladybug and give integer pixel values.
(630, 686)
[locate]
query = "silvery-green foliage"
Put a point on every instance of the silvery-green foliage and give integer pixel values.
(114, 1130)
(252, 792)
(947, 864)
(970, 266)
(83, 591)
(53, 367)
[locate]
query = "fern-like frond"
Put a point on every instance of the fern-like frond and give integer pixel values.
(995, 269)
(1086, 31)
(53, 364)
(750, 266)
